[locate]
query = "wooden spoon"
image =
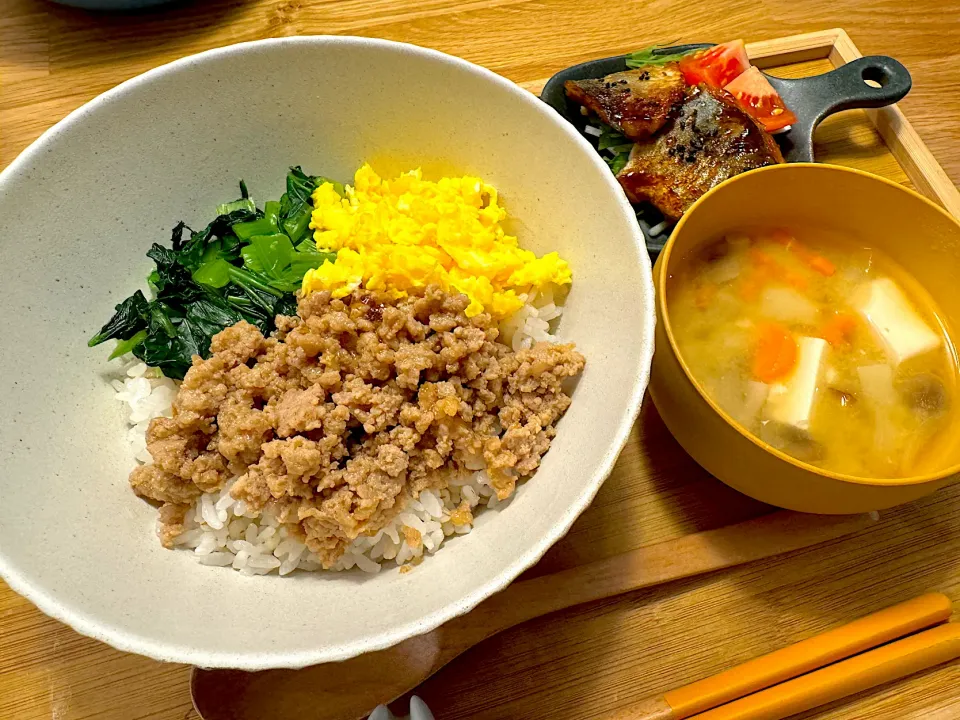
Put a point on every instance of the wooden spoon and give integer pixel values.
(351, 689)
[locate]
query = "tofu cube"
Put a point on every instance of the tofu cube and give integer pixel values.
(791, 402)
(902, 331)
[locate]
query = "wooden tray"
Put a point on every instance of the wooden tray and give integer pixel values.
(655, 493)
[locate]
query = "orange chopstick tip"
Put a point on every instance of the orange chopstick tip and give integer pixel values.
(881, 665)
(804, 657)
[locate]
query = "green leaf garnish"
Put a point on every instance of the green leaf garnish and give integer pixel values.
(650, 56)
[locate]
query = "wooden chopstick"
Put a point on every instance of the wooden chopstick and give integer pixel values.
(875, 667)
(803, 657)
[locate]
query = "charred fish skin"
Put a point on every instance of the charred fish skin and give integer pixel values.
(687, 138)
(706, 141)
(636, 103)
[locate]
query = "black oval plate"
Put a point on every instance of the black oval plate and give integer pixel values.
(810, 98)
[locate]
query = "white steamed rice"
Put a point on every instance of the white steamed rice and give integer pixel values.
(221, 531)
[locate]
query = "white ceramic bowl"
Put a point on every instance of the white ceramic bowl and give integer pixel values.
(80, 207)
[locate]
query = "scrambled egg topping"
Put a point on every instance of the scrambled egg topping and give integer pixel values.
(394, 235)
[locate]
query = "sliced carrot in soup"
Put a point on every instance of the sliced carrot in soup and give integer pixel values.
(704, 295)
(820, 264)
(812, 260)
(838, 330)
(795, 280)
(767, 268)
(750, 285)
(761, 259)
(776, 353)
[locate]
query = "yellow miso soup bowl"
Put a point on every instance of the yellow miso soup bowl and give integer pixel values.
(917, 234)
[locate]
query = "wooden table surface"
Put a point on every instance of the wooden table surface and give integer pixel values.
(586, 661)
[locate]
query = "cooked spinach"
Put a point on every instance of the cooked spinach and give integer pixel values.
(295, 205)
(245, 264)
(131, 316)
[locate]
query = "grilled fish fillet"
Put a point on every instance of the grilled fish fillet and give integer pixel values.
(708, 140)
(636, 103)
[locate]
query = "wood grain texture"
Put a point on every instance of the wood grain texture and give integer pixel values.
(348, 689)
(591, 660)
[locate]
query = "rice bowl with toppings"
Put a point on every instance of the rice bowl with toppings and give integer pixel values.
(100, 567)
(413, 298)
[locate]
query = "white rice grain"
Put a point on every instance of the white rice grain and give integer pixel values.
(209, 511)
(431, 503)
(471, 496)
(218, 559)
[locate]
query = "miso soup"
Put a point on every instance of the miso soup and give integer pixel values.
(820, 346)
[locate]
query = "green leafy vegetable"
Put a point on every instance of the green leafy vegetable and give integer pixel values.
(245, 265)
(613, 146)
(654, 55)
(169, 354)
(160, 320)
(267, 253)
(261, 226)
(242, 204)
(249, 282)
(214, 268)
(618, 162)
(221, 229)
(274, 257)
(295, 205)
(131, 316)
(613, 141)
(125, 346)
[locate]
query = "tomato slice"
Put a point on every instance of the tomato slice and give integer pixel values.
(757, 96)
(715, 66)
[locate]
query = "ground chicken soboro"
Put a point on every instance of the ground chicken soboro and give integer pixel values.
(351, 408)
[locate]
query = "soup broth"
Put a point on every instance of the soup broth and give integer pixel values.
(821, 347)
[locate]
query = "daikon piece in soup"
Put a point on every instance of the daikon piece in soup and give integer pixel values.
(820, 346)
